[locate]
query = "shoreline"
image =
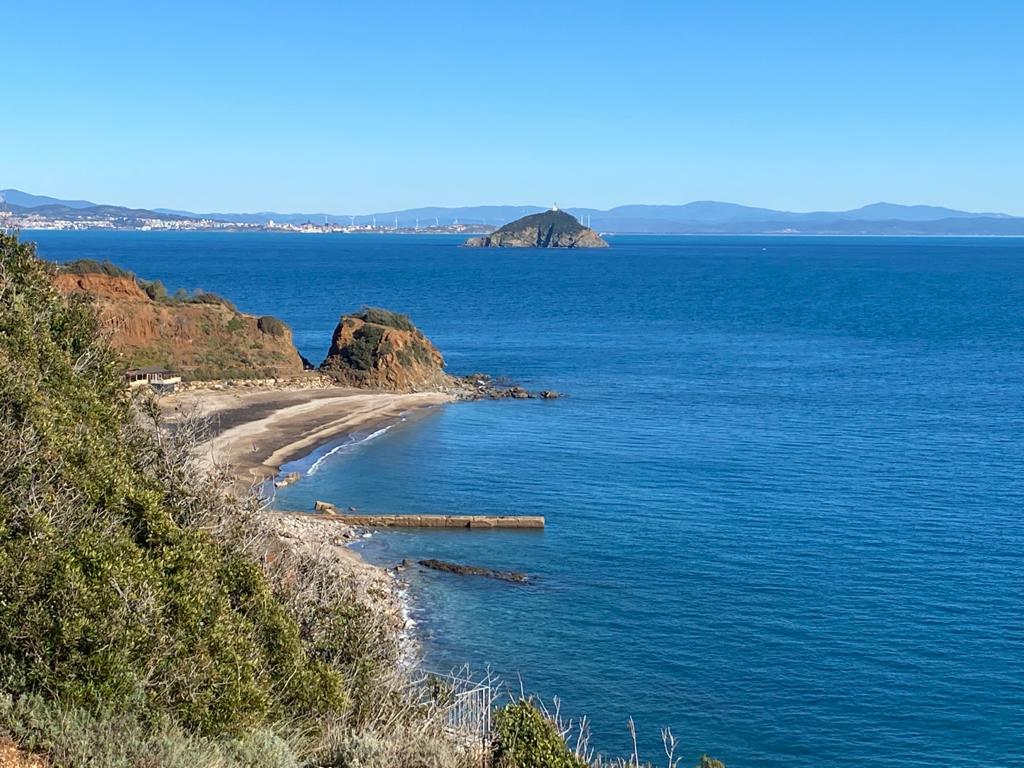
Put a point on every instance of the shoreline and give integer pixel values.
(256, 432)
(285, 424)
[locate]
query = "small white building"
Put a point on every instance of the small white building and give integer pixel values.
(160, 379)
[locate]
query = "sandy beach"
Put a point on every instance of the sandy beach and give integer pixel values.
(257, 430)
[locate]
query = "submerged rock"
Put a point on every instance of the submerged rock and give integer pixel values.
(473, 570)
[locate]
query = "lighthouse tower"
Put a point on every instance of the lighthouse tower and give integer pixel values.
(554, 207)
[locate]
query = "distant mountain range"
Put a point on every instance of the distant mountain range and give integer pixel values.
(702, 217)
(19, 202)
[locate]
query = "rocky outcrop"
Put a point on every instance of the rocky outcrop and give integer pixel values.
(551, 229)
(199, 337)
(380, 349)
(480, 386)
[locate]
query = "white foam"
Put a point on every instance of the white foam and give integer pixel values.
(345, 448)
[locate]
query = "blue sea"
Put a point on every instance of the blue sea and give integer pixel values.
(784, 493)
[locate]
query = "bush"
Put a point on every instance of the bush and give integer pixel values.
(362, 352)
(155, 290)
(93, 267)
(404, 749)
(272, 326)
(379, 316)
(72, 736)
(109, 597)
(205, 297)
(526, 738)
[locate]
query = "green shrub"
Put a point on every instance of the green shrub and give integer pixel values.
(205, 297)
(71, 737)
(93, 267)
(362, 352)
(379, 316)
(526, 738)
(155, 290)
(272, 326)
(108, 597)
(236, 323)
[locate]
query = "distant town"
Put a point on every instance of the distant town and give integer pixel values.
(32, 219)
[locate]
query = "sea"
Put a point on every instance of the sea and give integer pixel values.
(784, 490)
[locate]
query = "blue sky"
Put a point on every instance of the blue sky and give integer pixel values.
(359, 107)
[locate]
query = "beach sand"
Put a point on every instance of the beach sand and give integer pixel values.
(255, 431)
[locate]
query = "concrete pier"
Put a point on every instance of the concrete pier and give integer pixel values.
(330, 512)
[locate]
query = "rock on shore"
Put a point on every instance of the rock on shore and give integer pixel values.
(551, 229)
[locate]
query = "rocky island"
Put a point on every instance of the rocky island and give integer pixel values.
(550, 229)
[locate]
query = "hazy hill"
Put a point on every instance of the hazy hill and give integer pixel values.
(24, 199)
(698, 217)
(64, 211)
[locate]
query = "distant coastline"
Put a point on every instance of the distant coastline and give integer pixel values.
(21, 210)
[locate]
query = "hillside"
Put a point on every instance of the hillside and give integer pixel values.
(201, 336)
(550, 229)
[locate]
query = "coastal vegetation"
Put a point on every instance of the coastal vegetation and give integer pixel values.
(385, 317)
(200, 335)
(93, 267)
(154, 289)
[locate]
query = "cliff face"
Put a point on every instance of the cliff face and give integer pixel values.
(381, 349)
(551, 229)
(199, 338)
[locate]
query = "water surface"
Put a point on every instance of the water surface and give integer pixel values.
(783, 497)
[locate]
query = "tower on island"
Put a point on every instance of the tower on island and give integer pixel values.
(554, 207)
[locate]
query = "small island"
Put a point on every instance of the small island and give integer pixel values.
(550, 229)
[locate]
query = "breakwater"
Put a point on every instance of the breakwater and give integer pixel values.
(330, 512)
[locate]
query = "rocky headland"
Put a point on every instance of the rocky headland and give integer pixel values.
(379, 349)
(550, 229)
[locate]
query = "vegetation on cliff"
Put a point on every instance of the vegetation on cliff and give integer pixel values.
(200, 335)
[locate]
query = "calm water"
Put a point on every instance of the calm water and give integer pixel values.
(784, 498)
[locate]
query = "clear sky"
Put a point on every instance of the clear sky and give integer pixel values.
(358, 107)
